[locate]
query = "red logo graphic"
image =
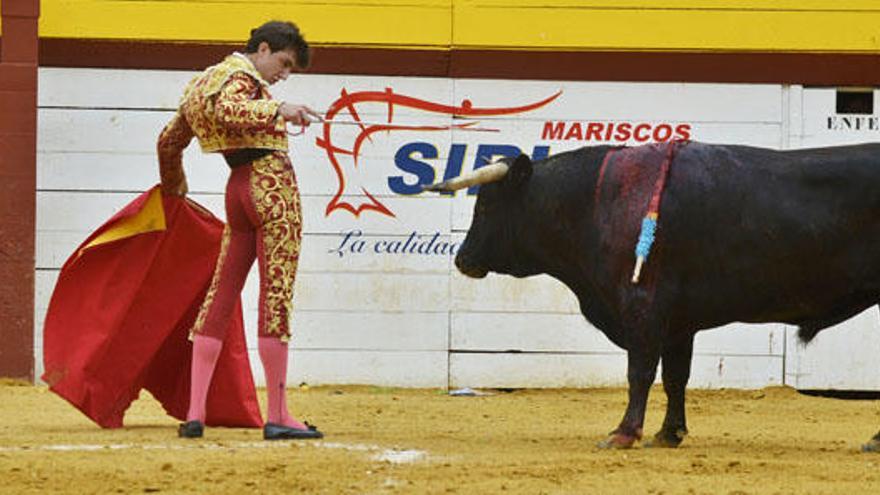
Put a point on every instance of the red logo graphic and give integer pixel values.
(348, 102)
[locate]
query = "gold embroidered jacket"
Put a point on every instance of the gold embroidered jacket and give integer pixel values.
(227, 107)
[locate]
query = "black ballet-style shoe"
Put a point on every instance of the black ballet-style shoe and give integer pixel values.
(191, 429)
(275, 431)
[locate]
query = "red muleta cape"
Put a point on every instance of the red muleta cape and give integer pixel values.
(121, 312)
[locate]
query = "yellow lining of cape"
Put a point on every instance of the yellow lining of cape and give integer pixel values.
(151, 218)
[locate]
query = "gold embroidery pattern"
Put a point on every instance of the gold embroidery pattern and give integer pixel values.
(276, 200)
(229, 107)
(212, 289)
(236, 110)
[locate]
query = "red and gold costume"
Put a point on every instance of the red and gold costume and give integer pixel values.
(229, 110)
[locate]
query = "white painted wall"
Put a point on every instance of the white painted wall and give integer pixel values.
(411, 319)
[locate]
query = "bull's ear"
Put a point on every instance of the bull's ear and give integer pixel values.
(520, 171)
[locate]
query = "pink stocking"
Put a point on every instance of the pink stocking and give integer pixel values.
(206, 350)
(273, 354)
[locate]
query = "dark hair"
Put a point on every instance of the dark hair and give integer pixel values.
(281, 35)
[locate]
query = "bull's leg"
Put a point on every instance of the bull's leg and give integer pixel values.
(640, 373)
(676, 371)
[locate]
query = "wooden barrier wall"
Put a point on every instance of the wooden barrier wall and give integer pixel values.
(96, 151)
(365, 315)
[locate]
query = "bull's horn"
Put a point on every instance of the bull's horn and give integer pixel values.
(483, 175)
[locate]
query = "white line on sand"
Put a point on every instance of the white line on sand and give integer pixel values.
(394, 456)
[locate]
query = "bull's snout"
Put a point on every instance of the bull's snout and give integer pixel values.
(467, 267)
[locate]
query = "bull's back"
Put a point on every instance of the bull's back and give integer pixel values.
(750, 234)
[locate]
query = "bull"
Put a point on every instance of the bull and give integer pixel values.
(744, 234)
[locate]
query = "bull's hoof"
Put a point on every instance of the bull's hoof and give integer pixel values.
(873, 445)
(667, 439)
(618, 441)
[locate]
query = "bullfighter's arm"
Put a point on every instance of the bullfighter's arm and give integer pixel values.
(172, 141)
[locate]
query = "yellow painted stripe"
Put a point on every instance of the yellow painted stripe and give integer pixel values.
(607, 28)
(713, 25)
(360, 22)
(784, 5)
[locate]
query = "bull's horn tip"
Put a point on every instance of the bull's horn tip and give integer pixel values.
(438, 187)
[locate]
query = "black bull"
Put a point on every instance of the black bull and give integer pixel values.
(744, 234)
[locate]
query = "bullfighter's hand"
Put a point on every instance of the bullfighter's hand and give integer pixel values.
(298, 114)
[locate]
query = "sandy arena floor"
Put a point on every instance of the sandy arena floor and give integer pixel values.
(424, 441)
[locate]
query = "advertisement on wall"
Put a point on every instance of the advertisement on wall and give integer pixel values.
(381, 143)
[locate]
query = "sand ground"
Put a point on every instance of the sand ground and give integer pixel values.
(383, 440)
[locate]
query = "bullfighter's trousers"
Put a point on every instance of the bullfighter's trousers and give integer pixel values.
(263, 222)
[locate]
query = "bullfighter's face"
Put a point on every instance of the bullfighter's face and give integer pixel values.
(273, 66)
